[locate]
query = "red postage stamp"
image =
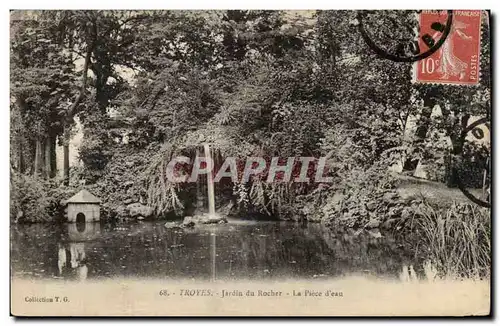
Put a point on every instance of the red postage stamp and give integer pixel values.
(457, 60)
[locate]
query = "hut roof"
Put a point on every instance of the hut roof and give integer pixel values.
(84, 196)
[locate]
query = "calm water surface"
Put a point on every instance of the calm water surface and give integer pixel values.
(237, 250)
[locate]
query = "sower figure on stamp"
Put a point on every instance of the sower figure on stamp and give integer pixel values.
(451, 65)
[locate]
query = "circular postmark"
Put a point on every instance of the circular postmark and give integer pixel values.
(460, 184)
(415, 50)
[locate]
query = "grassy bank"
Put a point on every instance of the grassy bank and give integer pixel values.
(456, 240)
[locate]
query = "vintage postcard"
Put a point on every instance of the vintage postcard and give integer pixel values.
(250, 163)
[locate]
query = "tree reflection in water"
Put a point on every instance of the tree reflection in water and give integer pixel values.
(71, 260)
(238, 250)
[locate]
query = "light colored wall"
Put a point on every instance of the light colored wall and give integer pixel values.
(74, 147)
(411, 128)
(91, 211)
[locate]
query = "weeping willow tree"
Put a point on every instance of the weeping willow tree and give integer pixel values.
(162, 194)
(275, 198)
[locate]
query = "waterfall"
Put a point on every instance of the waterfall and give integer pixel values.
(210, 181)
(213, 254)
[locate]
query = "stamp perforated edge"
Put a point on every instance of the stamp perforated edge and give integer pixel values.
(484, 27)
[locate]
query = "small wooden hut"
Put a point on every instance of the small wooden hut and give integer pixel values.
(83, 207)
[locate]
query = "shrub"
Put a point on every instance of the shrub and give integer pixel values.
(362, 196)
(34, 199)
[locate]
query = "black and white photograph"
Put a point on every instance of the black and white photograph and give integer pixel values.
(250, 163)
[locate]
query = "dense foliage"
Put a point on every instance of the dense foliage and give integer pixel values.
(148, 85)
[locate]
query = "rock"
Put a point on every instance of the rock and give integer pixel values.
(212, 219)
(129, 164)
(375, 233)
(172, 225)
(372, 224)
(138, 209)
(371, 205)
(140, 218)
(128, 201)
(188, 222)
(128, 183)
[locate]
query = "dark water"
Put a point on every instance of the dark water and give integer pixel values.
(238, 250)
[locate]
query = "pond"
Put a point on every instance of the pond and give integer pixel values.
(234, 251)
